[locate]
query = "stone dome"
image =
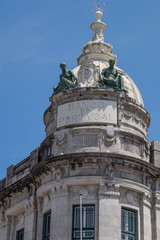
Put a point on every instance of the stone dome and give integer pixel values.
(95, 57)
(130, 86)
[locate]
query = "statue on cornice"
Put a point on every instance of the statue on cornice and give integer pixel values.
(67, 80)
(111, 78)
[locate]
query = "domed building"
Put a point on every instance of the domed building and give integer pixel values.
(95, 176)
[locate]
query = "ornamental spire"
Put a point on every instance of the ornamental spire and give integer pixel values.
(100, 6)
(98, 27)
(98, 3)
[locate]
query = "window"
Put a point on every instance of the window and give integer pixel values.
(87, 222)
(20, 234)
(129, 224)
(46, 225)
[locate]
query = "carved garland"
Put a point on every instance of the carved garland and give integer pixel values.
(138, 120)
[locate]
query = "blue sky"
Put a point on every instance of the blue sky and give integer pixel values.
(36, 35)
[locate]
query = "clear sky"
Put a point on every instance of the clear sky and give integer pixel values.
(36, 35)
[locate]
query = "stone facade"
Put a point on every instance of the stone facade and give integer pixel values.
(96, 146)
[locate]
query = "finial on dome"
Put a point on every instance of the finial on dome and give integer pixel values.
(98, 27)
(98, 15)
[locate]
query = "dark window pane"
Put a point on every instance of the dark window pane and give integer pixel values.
(46, 225)
(87, 222)
(129, 224)
(20, 235)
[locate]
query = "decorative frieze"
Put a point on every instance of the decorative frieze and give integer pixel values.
(134, 119)
(86, 191)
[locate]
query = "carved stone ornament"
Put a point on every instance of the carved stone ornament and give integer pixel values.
(46, 201)
(58, 174)
(134, 118)
(109, 136)
(149, 182)
(85, 191)
(129, 197)
(2, 216)
(109, 191)
(147, 198)
(61, 139)
(110, 171)
(98, 35)
(88, 74)
(29, 204)
(20, 219)
(146, 149)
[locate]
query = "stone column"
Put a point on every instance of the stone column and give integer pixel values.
(30, 219)
(109, 212)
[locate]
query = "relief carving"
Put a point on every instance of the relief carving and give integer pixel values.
(85, 191)
(61, 138)
(110, 173)
(88, 74)
(60, 190)
(129, 197)
(149, 182)
(46, 201)
(146, 149)
(2, 215)
(109, 137)
(135, 119)
(29, 204)
(147, 197)
(20, 219)
(58, 174)
(109, 191)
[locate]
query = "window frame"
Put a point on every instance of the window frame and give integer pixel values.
(83, 229)
(133, 221)
(45, 234)
(19, 232)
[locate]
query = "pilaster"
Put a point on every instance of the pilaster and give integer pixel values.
(109, 212)
(30, 218)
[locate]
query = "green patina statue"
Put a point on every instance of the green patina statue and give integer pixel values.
(111, 78)
(67, 80)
